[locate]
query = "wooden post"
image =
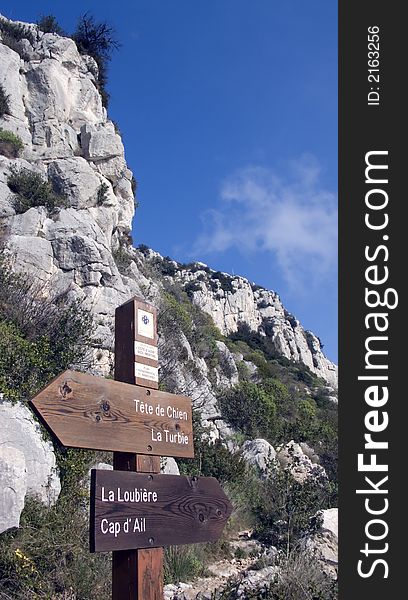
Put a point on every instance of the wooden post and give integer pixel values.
(136, 574)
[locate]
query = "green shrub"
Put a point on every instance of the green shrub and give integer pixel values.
(211, 459)
(183, 563)
(167, 266)
(102, 195)
(12, 35)
(17, 45)
(177, 316)
(4, 102)
(10, 144)
(244, 372)
(217, 461)
(32, 190)
(283, 507)
(49, 24)
(143, 249)
(304, 412)
(48, 554)
(250, 409)
(177, 312)
(122, 258)
(191, 287)
(174, 315)
(38, 338)
(224, 280)
(22, 363)
(302, 578)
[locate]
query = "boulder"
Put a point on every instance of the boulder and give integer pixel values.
(258, 453)
(28, 463)
(77, 180)
(13, 486)
(168, 466)
(32, 254)
(324, 543)
(100, 142)
(29, 224)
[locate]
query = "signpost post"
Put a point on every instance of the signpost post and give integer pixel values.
(137, 574)
(135, 510)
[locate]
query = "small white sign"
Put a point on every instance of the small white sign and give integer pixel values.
(145, 323)
(146, 350)
(146, 372)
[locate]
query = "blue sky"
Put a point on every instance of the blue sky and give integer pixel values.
(228, 111)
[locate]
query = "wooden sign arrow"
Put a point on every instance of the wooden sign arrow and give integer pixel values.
(134, 510)
(84, 411)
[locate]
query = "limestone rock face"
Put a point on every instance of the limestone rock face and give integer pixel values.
(100, 142)
(227, 372)
(56, 109)
(233, 301)
(13, 486)
(27, 463)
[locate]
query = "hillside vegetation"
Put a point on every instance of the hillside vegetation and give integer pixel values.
(49, 554)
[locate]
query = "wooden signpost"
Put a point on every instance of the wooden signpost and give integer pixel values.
(135, 510)
(84, 411)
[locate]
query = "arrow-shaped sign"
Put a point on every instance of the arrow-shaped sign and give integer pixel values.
(84, 411)
(134, 510)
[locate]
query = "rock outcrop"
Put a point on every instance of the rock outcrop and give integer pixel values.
(293, 457)
(27, 463)
(324, 543)
(259, 453)
(56, 109)
(232, 301)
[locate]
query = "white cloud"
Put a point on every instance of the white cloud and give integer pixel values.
(292, 218)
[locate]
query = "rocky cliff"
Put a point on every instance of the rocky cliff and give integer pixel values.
(56, 110)
(82, 247)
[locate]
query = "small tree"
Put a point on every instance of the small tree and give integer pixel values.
(49, 24)
(98, 40)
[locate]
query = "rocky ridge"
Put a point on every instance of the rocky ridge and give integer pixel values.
(232, 301)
